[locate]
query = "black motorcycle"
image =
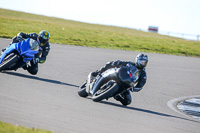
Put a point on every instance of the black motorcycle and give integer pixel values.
(110, 83)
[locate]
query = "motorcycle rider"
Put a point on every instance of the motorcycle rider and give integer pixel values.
(43, 39)
(141, 61)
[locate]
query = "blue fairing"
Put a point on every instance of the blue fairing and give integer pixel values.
(22, 48)
(27, 53)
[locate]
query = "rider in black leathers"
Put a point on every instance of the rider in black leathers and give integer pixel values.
(140, 62)
(43, 40)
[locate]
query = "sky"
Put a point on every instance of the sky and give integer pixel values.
(171, 16)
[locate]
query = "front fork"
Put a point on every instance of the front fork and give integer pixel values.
(90, 83)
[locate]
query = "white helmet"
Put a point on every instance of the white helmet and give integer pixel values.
(141, 61)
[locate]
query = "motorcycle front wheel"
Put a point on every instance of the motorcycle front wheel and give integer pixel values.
(82, 91)
(8, 61)
(104, 93)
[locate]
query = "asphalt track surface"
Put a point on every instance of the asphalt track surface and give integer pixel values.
(50, 101)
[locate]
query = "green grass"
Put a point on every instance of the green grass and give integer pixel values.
(83, 34)
(8, 128)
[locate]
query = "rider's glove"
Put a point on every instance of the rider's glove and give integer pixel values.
(16, 39)
(19, 35)
(41, 61)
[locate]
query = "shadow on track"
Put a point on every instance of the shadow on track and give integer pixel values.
(38, 78)
(145, 111)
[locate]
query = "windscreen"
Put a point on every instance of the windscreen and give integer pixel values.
(33, 45)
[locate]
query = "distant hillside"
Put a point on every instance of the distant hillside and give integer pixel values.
(92, 35)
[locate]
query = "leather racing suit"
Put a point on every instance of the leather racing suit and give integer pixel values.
(40, 57)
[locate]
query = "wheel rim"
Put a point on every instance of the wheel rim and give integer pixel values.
(100, 91)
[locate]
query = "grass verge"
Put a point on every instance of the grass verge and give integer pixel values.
(84, 34)
(8, 128)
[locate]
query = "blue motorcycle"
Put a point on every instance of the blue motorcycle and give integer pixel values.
(19, 54)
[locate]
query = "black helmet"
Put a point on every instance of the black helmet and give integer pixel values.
(141, 61)
(43, 37)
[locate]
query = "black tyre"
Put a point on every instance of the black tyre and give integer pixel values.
(82, 91)
(9, 60)
(104, 93)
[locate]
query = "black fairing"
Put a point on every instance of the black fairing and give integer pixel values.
(100, 80)
(127, 76)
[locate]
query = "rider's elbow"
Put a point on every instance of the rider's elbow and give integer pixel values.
(137, 89)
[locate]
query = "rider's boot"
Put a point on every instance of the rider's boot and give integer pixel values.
(25, 67)
(121, 99)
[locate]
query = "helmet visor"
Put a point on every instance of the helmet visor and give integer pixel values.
(143, 63)
(43, 41)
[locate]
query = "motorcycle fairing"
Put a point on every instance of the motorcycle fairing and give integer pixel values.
(25, 51)
(128, 74)
(107, 75)
(22, 48)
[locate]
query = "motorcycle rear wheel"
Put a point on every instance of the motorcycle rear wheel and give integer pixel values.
(82, 91)
(105, 93)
